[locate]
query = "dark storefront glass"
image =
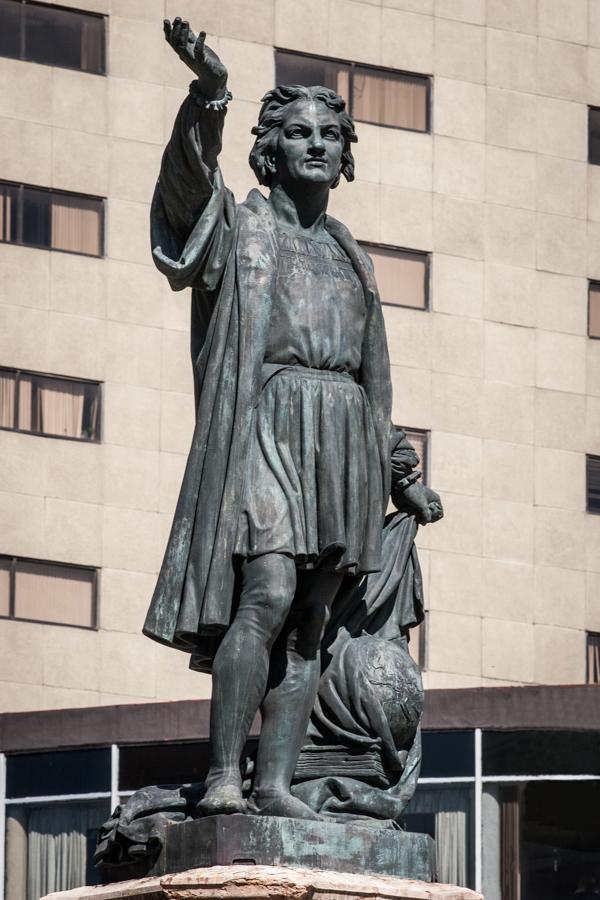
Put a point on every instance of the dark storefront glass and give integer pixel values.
(59, 772)
(541, 753)
(448, 754)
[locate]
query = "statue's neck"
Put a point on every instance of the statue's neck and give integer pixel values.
(302, 211)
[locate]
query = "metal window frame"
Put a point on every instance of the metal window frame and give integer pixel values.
(591, 109)
(70, 9)
(592, 284)
(15, 560)
(594, 635)
(596, 458)
(61, 437)
(427, 259)
(20, 186)
(382, 70)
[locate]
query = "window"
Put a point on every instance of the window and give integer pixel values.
(593, 484)
(49, 405)
(377, 96)
(592, 670)
(594, 135)
(417, 646)
(420, 441)
(52, 35)
(594, 309)
(49, 592)
(54, 220)
(402, 275)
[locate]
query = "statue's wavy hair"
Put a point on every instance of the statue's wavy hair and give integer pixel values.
(270, 119)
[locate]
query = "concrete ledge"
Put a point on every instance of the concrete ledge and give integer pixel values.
(268, 883)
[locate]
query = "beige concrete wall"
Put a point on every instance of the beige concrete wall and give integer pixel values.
(500, 369)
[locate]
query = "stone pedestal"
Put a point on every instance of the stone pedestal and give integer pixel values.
(268, 883)
(272, 841)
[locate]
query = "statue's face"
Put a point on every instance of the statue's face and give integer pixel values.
(310, 144)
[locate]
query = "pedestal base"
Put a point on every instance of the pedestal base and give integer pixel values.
(268, 883)
(270, 841)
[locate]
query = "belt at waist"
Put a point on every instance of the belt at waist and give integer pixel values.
(269, 370)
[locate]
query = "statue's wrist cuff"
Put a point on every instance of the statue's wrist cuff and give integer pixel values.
(209, 102)
(406, 482)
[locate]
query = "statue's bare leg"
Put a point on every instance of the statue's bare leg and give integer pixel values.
(240, 674)
(292, 688)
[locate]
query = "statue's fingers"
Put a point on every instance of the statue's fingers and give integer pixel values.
(176, 32)
(199, 45)
(183, 35)
(167, 28)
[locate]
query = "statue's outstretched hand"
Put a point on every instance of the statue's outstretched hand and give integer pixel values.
(426, 503)
(191, 49)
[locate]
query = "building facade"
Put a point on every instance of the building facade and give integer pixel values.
(478, 193)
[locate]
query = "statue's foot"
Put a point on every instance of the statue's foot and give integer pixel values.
(282, 805)
(222, 799)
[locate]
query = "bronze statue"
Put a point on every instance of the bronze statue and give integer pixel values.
(289, 473)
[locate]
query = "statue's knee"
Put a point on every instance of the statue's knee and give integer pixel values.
(268, 591)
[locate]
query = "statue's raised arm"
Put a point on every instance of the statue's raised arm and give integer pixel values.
(192, 212)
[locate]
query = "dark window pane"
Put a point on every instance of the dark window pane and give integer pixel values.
(594, 135)
(77, 224)
(61, 772)
(90, 429)
(593, 483)
(541, 753)
(401, 275)
(593, 658)
(389, 98)
(36, 217)
(594, 310)
(291, 68)
(47, 592)
(162, 764)
(9, 199)
(417, 646)
(10, 28)
(62, 37)
(560, 841)
(448, 753)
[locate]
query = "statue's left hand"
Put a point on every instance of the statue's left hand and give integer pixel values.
(191, 49)
(425, 501)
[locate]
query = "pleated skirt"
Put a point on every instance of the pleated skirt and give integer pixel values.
(312, 486)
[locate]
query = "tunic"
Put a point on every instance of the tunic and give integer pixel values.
(312, 490)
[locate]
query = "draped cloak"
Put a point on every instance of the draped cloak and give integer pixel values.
(228, 255)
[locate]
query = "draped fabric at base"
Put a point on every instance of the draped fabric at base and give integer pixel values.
(7, 400)
(451, 807)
